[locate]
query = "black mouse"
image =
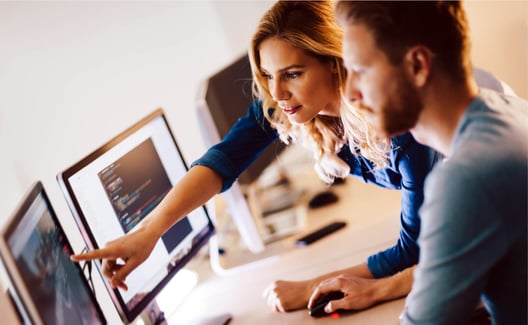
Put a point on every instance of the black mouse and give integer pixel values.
(322, 199)
(318, 308)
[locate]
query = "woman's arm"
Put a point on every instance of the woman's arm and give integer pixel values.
(193, 190)
(409, 165)
(122, 255)
(246, 140)
(214, 172)
(413, 162)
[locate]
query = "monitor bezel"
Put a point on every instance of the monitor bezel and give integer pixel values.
(20, 289)
(126, 314)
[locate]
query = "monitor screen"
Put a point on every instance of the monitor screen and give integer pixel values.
(112, 189)
(49, 287)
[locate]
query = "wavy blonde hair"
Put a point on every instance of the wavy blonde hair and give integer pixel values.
(311, 26)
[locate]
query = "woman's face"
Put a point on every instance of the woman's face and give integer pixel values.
(302, 85)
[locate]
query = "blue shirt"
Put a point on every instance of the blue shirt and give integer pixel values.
(409, 163)
(474, 220)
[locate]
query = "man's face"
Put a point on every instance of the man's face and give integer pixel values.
(381, 91)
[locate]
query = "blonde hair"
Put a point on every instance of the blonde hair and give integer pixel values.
(311, 26)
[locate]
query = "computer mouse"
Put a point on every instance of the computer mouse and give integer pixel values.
(322, 199)
(318, 308)
(338, 181)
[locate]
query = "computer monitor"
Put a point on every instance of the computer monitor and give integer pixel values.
(47, 286)
(115, 187)
(223, 98)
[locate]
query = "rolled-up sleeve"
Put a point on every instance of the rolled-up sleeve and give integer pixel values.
(246, 140)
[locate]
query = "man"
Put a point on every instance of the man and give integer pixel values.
(408, 68)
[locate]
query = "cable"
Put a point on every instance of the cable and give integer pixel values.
(88, 265)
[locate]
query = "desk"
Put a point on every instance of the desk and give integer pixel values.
(372, 216)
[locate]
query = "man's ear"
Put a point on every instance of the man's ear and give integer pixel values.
(418, 63)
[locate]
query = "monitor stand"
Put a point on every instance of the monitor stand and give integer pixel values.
(229, 255)
(152, 315)
(168, 299)
(222, 319)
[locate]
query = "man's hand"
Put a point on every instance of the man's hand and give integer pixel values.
(360, 293)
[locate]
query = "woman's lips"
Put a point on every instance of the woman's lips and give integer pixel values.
(290, 110)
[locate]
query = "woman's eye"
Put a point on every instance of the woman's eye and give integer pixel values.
(292, 75)
(266, 76)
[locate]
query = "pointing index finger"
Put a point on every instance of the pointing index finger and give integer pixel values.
(91, 255)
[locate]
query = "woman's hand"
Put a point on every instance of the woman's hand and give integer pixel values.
(122, 255)
(289, 295)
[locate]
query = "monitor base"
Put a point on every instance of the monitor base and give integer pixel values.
(222, 319)
(168, 299)
(152, 315)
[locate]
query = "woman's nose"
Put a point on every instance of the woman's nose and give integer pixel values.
(278, 91)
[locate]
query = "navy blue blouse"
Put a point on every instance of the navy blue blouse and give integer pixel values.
(409, 164)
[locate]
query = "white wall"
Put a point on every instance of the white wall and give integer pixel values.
(74, 74)
(499, 31)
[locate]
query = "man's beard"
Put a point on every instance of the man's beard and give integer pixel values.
(400, 112)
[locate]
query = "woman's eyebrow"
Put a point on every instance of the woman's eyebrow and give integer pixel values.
(293, 66)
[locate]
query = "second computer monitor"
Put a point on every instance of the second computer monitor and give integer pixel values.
(114, 188)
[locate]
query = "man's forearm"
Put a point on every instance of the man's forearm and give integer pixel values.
(394, 286)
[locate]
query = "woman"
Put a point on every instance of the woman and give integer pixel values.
(298, 73)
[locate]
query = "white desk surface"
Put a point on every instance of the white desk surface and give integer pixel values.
(372, 216)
